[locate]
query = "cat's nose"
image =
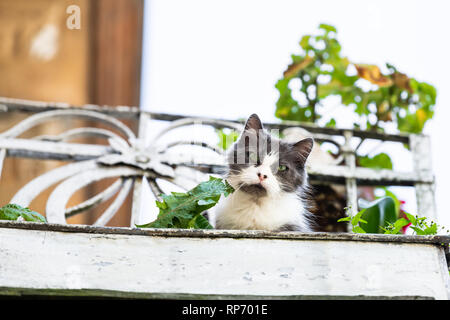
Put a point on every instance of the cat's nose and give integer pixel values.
(261, 177)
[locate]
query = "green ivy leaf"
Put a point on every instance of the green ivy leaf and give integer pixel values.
(379, 161)
(331, 123)
(14, 211)
(327, 27)
(183, 210)
(304, 42)
(201, 223)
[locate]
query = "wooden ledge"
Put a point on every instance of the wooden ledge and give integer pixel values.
(88, 261)
(442, 240)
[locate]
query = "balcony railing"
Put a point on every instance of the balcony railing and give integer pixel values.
(129, 157)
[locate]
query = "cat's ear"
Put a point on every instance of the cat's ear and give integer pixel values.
(303, 149)
(253, 122)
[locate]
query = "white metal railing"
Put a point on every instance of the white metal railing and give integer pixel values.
(129, 159)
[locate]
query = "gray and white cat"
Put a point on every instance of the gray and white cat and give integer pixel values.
(270, 182)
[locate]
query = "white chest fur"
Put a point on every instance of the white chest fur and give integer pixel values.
(242, 211)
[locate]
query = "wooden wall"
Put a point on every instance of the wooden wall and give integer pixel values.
(42, 59)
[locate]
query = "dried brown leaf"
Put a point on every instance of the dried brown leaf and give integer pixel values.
(294, 68)
(373, 74)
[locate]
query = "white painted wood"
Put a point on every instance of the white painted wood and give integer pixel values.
(228, 266)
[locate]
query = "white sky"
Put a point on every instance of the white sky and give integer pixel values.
(223, 58)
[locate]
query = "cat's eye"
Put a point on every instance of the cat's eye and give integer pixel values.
(282, 168)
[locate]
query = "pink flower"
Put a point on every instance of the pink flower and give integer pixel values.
(403, 215)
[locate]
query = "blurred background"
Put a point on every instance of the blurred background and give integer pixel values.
(222, 59)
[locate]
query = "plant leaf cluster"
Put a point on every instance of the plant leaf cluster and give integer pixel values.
(184, 210)
(377, 97)
(14, 212)
(381, 216)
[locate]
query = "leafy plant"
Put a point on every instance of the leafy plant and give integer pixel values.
(14, 212)
(355, 221)
(396, 227)
(379, 161)
(376, 97)
(380, 216)
(321, 70)
(422, 226)
(183, 210)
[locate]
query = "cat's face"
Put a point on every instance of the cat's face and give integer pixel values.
(262, 165)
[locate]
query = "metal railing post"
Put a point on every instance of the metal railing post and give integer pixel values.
(350, 183)
(144, 121)
(421, 152)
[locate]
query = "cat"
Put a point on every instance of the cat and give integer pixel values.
(270, 182)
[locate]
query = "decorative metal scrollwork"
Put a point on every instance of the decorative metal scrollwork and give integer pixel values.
(126, 158)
